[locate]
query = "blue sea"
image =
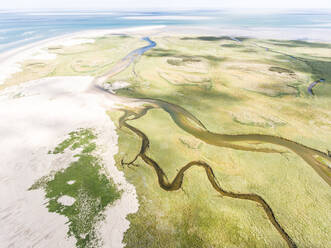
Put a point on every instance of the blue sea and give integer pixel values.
(21, 28)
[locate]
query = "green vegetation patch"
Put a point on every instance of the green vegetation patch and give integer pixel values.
(281, 70)
(176, 62)
(268, 123)
(319, 68)
(159, 52)
(82, 138)
(214, 38)
(88, 190)
(181, 58)
(300, 43)
(181, 61)
(231, 45)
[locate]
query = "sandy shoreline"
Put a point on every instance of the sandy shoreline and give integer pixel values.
(10, 60)
(38, 115)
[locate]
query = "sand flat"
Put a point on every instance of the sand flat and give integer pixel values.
(38, 115)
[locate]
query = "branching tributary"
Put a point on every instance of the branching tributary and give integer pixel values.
(193, 126)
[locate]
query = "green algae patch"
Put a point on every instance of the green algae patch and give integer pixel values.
(82, 181)
(82, 138)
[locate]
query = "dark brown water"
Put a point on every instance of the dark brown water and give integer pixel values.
(177, 182)
(191, 125)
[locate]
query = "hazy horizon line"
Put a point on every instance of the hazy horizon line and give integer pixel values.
(101, 9)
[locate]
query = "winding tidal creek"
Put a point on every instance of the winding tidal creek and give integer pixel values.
(313, 84)
(192, 125)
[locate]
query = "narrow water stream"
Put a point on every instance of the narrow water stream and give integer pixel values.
(192, 125)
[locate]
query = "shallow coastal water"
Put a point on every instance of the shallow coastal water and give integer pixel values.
(21, 28)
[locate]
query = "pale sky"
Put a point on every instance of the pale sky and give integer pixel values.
(162, 4)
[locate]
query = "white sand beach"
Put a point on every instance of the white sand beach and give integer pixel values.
(36, 116)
